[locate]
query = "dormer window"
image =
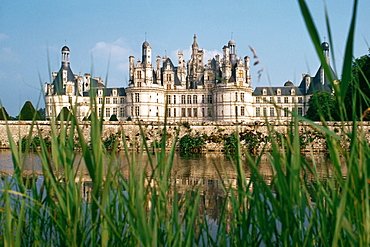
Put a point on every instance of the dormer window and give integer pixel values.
(292, 92)
(264, 91)
(114, 92)
(100, 92)
(278, 91)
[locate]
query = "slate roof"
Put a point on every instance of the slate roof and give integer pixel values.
(272, 91)
(58, 81)
(316, 82)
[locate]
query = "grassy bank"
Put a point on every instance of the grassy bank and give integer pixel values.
(147, 208)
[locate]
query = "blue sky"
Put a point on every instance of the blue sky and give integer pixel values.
(101, 36)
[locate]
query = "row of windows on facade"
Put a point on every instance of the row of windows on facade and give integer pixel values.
(172, 99)
(111, 100)
(284, 112)
(193, 112)
(171, 112)
(279, 100)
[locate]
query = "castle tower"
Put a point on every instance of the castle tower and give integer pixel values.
(325, 48)
(146, 53)
(232, 47)
(65, 56)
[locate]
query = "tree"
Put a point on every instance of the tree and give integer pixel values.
(3, 114)
(113, 118)
(28, 112)
(64, 115)
(322, 105)
(357, 99)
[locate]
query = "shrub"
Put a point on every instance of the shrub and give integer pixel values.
(191, 144)
(28, 112)
(113, 118)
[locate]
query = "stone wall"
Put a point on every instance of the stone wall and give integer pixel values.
(153, 131)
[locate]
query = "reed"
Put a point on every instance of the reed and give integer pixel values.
(145, 208)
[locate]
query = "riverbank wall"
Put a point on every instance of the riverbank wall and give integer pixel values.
(214, 133)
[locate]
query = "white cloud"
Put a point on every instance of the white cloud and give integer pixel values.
(114, 51)
(3, 36)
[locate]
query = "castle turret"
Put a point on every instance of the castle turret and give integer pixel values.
(232, 47)
(65, 57)
(146, 53)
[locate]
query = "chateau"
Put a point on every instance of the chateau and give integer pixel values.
(218, 90)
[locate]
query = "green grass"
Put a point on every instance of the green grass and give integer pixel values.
(147, 209)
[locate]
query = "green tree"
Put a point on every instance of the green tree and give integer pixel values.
(358, 94)
(322, 105)
(64, 115)
(3, 114)
(28, 112)
(113, 118)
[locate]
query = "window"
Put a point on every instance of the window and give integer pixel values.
(189, 99)
(195, 99)
(174, 112)
(258, 100)
(107, 100)
(122, 100)
(286, 100)
(99, 112)
(137, 111)
(115, 111)
(174, 99)
(236, 96)
(242, 111)
(264, 91)
(168, 77)
(300, 111)
(107, 112)
(139, 75)
(189, 112)
(272, 112)
(114, 100)
(203, 99)
(100, 100)
(292, 92)
(242, 97)
(195, 112)
(182, 112)
(278, 91)
(258, 112)
(137, 97)
(286, 111)
(264, 111)
(210, 101)
(300, 100)
(264, 100)
(209, 112)
(169, 112)
(203, 113)
(278, 99)
(168, 99)
(182, 99)
(271, 100)
(122, 112)
(236, 111)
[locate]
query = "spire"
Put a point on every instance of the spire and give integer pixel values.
(195, 45)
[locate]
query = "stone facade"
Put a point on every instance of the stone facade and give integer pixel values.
(219, 90)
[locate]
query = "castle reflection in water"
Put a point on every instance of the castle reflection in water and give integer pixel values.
(208, 171)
